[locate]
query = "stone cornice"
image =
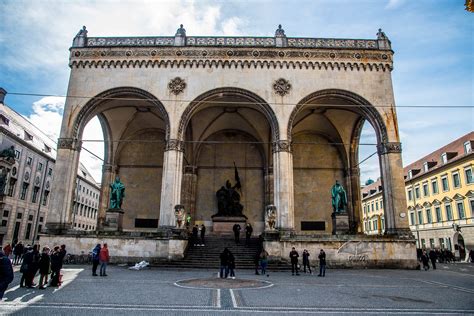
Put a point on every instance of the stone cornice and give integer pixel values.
(231, 57)
(69, 143)
(389, 147)
(174, 144)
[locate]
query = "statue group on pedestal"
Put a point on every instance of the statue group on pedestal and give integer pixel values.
(228, 199)
(117, 193)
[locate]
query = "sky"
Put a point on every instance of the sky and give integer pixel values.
(432, 40)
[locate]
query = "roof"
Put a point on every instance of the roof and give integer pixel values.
(454, 151)
(371, 189)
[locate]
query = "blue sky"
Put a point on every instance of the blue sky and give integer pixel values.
(432, 40)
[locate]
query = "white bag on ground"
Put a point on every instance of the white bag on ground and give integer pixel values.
(140, 266)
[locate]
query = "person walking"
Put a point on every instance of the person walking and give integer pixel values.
(231, 262)
(256, 261)
(203, 234)
(95, 259)
(104, 259)
(18, 253)
(7, 250)
(6, 273)
(248, 233)
(294, 261)
(433, 258)
(224, 269)
(306, 261)
(263, 261)
(425, 259)
(32, 259)
(44, 268)
(195, 235)
(322, 263)
(236, 228)
(56, 264)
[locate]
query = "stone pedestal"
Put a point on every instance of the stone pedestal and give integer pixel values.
(113, 220)
(340, 223)
(222, 225)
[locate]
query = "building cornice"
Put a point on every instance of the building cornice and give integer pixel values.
(26, 144)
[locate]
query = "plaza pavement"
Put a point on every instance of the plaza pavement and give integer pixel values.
(449, 290)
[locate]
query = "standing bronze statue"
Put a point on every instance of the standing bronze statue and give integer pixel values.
(339, 198)
(228, 198)
(117, 193)
(8, 154)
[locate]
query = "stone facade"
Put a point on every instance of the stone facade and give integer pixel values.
(177, 112)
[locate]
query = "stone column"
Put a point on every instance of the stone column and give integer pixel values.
(269, 183)
(354, 221)
(65, 172)
(107, 179)
(283, 185)
(188, 195)
(395, 206)
(171, 186)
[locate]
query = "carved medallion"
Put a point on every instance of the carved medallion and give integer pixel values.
(177, 85)
(281, 86)
(281, 145)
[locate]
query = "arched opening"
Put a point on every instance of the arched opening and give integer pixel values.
(219, 128)
(326, 132)
(135, 127)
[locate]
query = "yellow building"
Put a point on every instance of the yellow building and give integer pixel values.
(440, 199)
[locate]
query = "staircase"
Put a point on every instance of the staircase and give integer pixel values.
(207, 257)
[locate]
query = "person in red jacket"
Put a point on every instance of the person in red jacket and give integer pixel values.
(104, 259)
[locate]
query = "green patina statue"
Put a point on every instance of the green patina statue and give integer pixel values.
(339, 198)
(8, 153)
(117, 193)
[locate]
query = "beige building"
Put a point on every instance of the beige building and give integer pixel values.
(440, 198)
(26, 200)
(178, 111)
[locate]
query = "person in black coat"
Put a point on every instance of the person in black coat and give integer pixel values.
(6, 273)
(294, 261)
(322, 263)
(56, 264)
(195, 235)
(236, 228)
(44, 267)
(203, 234)
(306, 261)
(224, 257)
(18, 252)
(433, 258)
(30, 266)
(231, 262)
(95, 259)
(248, 233)
(425, 259)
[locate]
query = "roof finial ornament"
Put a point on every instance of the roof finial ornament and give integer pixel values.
(181, 31)
(280, 32)
(80, 39)
(381, 35)
(82, 32)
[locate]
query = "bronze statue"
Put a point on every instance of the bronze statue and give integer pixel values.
(117, 193)
(228, 198)
(8, 154)
(339, 198)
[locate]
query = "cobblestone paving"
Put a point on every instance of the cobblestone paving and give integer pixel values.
(449, 290)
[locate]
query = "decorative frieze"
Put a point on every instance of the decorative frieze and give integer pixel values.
(69, 143)
(174, 144)
(177, 85)
(389, 147)
(282, 86)
(281, 145)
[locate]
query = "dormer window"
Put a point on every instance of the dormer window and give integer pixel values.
(467, 147)
(4, 120)
(425, 167)
(410, 174)
(47, 149)
(28, 136)
(444, 158)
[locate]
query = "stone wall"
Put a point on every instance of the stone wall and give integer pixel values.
(349, 251)
(122, 249)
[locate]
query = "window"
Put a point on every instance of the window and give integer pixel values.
(441, 243)
(410, 195)
(456, 180)
(17, 154)
(372, 206)
(438, 214)
(423, 243)
(434, 186)
(40, 166)
(6, 213)
(19, 215)
(425, 167)
(425, 189)
(417, 192)
(28, 136)
(468, 173)
(30, 217)
(29, 160)
(428, 216)
(467, 147)
(449, 212)
(50, 171)
(449, 244)
(4, 223)
(28, 231)
(47, 149)
(444, 158)
(370, 225)
(412, 218)
(4, 120)
(420, 217)
(39, 228)
(41, 219)
(35, 194)
(410, 174)
(432, 244)
(460, 207)
(11, 187)
(445, 184)
(377, 205)
(471, 202)
(45, 198)
(383, 224)
(24, 190)
(375, 224)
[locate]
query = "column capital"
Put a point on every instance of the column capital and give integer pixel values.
(174, 144)
(389, 148)
(107, 168)
(69, 143)
(281, 145)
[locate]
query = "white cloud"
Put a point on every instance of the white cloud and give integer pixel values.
(393, 4)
